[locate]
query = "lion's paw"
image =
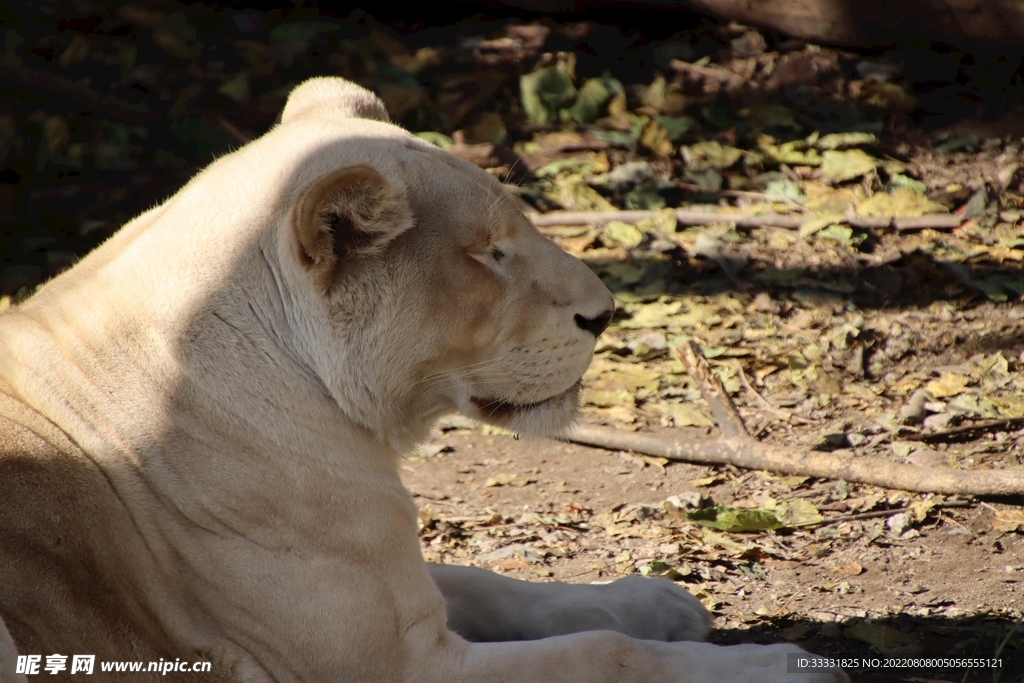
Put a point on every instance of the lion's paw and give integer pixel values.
(655, 609)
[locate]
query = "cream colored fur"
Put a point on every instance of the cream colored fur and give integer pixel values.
(200, 427)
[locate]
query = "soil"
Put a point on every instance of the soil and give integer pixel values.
(954, 588)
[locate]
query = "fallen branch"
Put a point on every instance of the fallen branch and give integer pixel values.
(934, 221)
(737, 447)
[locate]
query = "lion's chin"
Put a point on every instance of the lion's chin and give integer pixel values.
(548, 417)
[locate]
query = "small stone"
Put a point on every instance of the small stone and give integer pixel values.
(898, 523)
(915, 411)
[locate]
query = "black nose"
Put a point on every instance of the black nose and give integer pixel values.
(596, 325)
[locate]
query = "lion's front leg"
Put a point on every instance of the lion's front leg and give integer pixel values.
(604, 657)
(486, 607)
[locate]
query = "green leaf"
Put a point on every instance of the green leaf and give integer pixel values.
(838, 233)
(897, 180)
(544, 92)
(675, 126)
(730, 519)
(589, 101)
(616, 138)
(784, 187)
(707, 179)
(818, 224)
(645, 196)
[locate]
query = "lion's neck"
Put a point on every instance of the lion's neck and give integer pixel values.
(179, 398)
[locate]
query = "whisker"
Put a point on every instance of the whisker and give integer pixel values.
(481, 365)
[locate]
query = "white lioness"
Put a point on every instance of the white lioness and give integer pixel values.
(200, 427)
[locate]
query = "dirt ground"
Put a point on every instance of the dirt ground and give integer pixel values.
(950, 586)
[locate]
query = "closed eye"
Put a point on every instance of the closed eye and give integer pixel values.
(497, 254)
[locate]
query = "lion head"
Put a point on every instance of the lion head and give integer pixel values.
(419, 268)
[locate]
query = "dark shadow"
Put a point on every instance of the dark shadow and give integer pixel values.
(903, 637)
(915, 279)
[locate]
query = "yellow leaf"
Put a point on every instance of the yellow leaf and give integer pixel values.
(903, 201)
(604, 398)
(615, 376)
(1010, 406)
(710, 155)
(797, 512)
(792, 481)
(921, 508)
(950, 384)
(654, 137)
(686, 414)
(623, 234)
(619, 414)
(724, 542)
(576, 195)
(840, 166)
(664, 222)
(655, 461)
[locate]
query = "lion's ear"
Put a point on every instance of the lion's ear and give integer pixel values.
(332, 97)
(348, 214)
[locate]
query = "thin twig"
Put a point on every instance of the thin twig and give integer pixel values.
(880, 513)
(768, 405)
(934, 221)
(745, 194)
(730, 422)
(964, 430)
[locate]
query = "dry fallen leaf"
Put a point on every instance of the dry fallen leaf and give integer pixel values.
(949, 384)
(1007, 520)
